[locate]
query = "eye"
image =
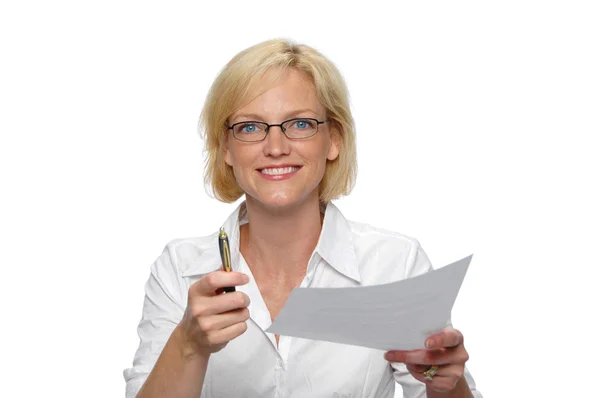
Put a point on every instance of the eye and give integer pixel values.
(247, 128)
(303, 124)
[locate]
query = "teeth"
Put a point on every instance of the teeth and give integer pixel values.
(280, 170)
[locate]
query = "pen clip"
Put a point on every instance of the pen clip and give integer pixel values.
(225, 250)
(225, 256)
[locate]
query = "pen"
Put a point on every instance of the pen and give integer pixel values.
(225, 255)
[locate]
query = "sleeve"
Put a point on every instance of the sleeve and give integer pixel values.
(162, 310)
(418, 263)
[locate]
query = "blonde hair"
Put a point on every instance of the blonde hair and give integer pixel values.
(240, 79)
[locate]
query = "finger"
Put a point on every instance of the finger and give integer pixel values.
(202, 306)
(227, 334)
(449, 337)
(445, 378)
(417, 368)
(210, 283)
(455, 371)
(438, 383)
(217, 322)
(440, 356)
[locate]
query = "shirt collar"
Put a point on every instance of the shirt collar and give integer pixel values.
(335, 245)
(210, 258)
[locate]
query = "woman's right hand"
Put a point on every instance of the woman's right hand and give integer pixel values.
(213, 318)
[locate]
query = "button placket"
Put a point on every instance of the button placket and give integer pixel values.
(280, 387)
(259, 312)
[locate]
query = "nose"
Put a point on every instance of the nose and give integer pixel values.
(276, 143)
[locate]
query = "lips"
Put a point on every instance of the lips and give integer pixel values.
(279, 170)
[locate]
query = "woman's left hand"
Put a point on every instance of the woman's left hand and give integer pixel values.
(444, 350)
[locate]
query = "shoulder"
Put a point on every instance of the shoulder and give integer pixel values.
(385, 256)
(365, 233)
(184, 253)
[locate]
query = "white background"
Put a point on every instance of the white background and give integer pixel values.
(478, 128)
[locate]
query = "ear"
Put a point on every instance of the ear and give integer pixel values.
(334, 142)
(225, 149)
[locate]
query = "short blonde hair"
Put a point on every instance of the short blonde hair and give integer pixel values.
(241, 78)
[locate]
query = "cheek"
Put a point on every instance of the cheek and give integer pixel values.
(241, 176)
(237, 168)
(234, 156)
(242, 161)
(319, 163)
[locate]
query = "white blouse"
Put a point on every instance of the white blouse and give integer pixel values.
(252, 365)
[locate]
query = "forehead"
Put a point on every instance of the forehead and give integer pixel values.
(278, 94)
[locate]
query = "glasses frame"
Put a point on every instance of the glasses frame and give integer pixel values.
(280, 125)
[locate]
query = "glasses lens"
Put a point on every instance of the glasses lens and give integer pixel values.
(250, 131)
(300, 128)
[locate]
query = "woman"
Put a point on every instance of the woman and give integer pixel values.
(278, 129)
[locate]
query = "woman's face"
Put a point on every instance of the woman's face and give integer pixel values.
(279, 172)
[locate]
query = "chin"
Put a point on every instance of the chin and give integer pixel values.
(280, 200)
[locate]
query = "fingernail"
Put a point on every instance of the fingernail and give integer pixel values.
(389, 356)
(430, 343)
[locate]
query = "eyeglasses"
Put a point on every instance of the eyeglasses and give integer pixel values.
(294, 129)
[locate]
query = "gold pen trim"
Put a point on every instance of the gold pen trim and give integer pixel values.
(225, 250)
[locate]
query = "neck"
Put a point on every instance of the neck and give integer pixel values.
(278, 243)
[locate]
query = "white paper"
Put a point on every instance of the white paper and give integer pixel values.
(399, 315)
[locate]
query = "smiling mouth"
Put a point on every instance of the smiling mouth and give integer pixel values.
(275, 171)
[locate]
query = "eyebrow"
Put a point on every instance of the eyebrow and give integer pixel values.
(258, 118)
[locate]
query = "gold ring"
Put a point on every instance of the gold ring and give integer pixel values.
(429, 373)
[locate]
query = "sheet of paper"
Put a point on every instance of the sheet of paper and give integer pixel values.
(399, 315)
